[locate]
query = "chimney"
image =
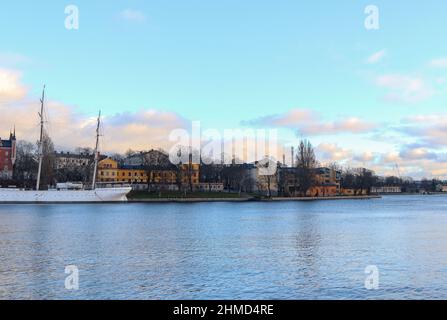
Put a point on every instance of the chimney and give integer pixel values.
(293, 157)
(222, 153)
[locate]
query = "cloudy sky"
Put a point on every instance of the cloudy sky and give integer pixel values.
(374, 98)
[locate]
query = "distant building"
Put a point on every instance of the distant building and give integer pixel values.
(161, 177)
(210, 187)
(263, 184)
(386, 189)
(444, 188)
(327, 182)
(72, 160)
(288, 182)
(8, 154)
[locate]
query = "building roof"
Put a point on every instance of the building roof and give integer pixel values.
(73, 155)
(130, 167)
(5, 143)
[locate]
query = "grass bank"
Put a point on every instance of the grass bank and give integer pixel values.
(176, 195)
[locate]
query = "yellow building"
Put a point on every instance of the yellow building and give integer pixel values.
(109, 171)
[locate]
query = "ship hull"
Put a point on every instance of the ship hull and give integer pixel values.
(65, 196)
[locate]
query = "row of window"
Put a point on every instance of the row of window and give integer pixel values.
(194, 181)
(141, 174)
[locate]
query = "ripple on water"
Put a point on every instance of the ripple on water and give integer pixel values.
(284, 250)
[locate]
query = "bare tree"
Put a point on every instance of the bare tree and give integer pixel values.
(282, 181)
(267, 175)
(154, 163)
(334, 166)
(364, 180)
(235, 177)
(130, 153)
(118, 157)
(25, 168)
(348, 179)
(306, 163)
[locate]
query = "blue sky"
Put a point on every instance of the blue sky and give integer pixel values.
(227, 62)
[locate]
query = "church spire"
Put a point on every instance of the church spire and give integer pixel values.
(12, 133)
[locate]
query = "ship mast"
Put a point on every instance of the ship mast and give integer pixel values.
(40, 152)
(95, 169)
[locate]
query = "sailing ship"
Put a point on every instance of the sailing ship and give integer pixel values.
(65, 192)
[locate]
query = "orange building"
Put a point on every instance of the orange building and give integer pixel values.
(327, 182)
(328, 190)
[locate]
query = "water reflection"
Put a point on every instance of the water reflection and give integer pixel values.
(307, 247)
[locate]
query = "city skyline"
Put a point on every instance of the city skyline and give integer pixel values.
(371, 98)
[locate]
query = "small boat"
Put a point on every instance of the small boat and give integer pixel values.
(65, 192)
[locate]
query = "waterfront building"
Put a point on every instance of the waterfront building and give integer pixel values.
(72, 160)
(386, 189)
(288, 181)
(326, 190)
(160, 177)
(210, 187)
(8, 154)
(327, 182)
(266, 185)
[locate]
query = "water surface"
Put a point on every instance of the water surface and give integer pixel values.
(281, 250)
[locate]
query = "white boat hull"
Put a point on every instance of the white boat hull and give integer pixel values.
(65, 196)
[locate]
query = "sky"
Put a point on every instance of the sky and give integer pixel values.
(374, 98)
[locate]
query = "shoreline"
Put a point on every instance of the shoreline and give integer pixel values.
(252, 199)
(241, 199)
(324, 198)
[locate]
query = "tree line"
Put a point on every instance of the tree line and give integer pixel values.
(235, 177)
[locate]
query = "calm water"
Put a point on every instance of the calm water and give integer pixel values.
(287, 250)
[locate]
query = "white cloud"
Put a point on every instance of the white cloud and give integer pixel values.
(309, 123)
(417, 153)
(376, 57)
(404, 88)
(133, 15)
(367, 156)
(331, 152)
(11, 89)
(439, 63)
(429, 130)
(69, 128)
